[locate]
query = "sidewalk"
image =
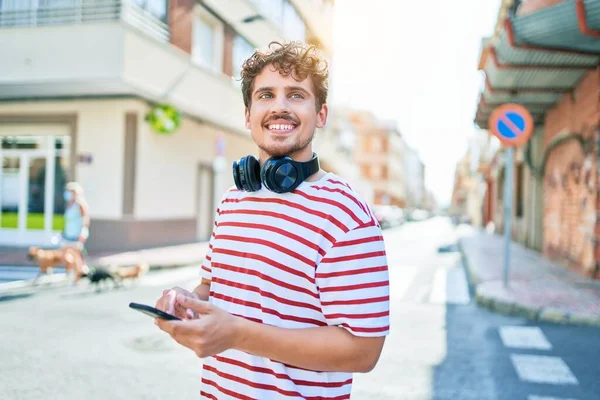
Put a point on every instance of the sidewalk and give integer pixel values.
(157, 258)
(539, 289)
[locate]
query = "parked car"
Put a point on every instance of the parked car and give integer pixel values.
(389, 216)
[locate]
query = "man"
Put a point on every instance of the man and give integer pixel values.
(294, 295)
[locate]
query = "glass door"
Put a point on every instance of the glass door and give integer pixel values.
(32, 180)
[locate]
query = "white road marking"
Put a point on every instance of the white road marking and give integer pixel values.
(450, 287)
(524, 337)
(543, 369)
(401, 278)
(422, 293)
(533, 397)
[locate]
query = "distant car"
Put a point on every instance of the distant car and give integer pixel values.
(419, 215)
(388, 216)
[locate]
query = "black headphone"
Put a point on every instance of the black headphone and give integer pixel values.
(278, 174)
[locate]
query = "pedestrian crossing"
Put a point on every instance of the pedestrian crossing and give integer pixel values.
(542, 369)
(524, 337)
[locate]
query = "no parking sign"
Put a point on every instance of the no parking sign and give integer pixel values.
(512, 124)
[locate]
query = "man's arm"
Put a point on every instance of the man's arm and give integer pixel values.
(326, 348)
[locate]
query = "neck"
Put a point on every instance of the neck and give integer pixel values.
(303, 155)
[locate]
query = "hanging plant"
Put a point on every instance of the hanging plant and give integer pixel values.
(164, 119)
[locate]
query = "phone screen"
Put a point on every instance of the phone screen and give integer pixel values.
(153, 312)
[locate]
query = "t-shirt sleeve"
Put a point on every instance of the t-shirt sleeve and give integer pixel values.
(206, 268)
(353, 283)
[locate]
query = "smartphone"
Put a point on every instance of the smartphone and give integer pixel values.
(153, 312)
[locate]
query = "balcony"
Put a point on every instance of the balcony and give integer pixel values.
(88, 11)
(111, 58)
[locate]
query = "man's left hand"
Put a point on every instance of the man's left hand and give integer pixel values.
(212, 332)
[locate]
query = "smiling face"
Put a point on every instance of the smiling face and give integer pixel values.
(282, 115)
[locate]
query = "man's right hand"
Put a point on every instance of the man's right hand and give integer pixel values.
(168, 304)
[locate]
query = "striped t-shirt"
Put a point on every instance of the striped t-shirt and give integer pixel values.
(310, 258)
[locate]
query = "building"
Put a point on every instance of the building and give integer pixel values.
(336, 144)
(415, 177)
(379, 153)
(470, 183)
(554, 73)
(138, 101)
(430, 203)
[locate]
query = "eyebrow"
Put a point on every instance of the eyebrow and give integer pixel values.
(288, 88)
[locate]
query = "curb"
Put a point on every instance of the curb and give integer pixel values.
(544, 314)
(547, 314)
(473, 278)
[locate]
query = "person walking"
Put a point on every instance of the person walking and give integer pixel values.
(77, 223)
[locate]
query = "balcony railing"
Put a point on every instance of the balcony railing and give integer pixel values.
(86, 11)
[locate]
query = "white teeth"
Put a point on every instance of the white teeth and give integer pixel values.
(282, 127)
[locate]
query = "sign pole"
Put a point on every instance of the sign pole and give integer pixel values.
(508, 186)
(512, 124)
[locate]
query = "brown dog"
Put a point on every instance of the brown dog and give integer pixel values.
(129, 272)
(69, 257)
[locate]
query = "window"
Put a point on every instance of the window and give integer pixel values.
(293, 25)
(376, 144)
(57, 3)
(157, 8)
(207, 40)
(14, 5)
(375, 172)
(272, 9)
(520, 187)
(500, 185)
(241, 51)
(284, 15)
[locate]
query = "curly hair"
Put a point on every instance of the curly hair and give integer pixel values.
(296, 58)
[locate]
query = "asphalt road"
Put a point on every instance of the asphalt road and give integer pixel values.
(73, 343)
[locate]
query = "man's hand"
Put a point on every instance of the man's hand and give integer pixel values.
(168, 303)
(212, 332)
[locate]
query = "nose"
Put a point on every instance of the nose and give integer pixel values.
(280, 105)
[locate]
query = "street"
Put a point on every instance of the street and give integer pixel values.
(74, 343)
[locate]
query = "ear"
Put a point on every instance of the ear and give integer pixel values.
(247, 114)
(322, 116)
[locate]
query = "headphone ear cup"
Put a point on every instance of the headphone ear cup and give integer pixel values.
(263, 173)
(252, 174)
(236, 176)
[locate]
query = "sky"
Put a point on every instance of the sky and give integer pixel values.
(415, 62)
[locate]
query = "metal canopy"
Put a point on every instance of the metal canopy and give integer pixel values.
(510, 52)
(570, 25)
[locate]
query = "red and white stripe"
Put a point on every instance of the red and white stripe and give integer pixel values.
(310, 258)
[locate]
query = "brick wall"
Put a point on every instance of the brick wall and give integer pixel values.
(570, 180)
(228, 37)
(180, 23)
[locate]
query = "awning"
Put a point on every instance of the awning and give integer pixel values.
(571, 25)
(540, 56)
